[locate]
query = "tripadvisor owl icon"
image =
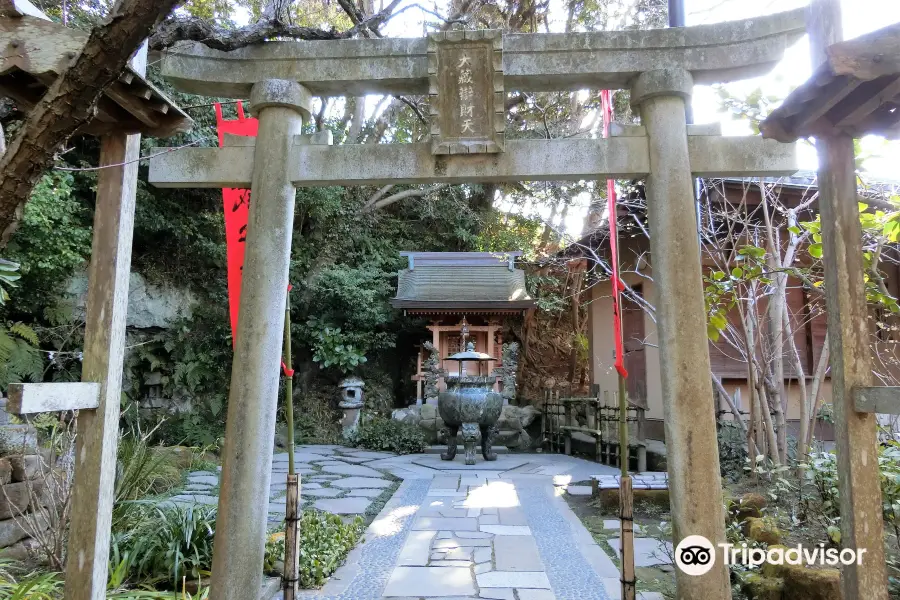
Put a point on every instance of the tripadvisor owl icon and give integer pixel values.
(695, 555)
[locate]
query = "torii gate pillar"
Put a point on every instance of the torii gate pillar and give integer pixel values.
(252, 404)
(693, 456)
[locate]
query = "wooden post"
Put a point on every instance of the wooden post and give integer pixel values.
(291, 579)
(104, 349)
(857, 445)
(626, 517)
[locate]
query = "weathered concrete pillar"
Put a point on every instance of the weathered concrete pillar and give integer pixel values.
(695, 484)
(252, 403)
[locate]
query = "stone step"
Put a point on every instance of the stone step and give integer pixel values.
(438, 449)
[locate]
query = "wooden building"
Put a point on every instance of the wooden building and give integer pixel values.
(806, 308)
(464, 295)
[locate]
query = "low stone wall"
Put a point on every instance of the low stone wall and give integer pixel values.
(23, 487)
(512, 425)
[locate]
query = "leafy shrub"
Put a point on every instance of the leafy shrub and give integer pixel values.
(325, 541)
(732, 451)
(143, 470)
(163, 544)
(822, 468)
(9, 275)
(159, 546)
(382, 434)
(34, 586)
(20, 359)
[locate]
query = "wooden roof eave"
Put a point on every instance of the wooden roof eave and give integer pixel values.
(34, 51)
(462, 305)
(855, 92)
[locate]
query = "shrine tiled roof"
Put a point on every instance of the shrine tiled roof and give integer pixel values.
(455, 281)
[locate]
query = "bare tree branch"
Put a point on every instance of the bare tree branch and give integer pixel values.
(180, 29)
(377, 204)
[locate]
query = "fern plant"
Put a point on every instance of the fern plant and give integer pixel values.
(20, 359)
(9, 275)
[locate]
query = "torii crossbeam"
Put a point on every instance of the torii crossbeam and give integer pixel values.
(466, 73)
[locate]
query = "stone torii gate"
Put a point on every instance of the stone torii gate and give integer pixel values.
(466, 73)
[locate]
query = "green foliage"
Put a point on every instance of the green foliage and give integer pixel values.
(52, 241)
(732, 450)
(163, 544)
(9, 275)
(143, 470)
(723, 291)
(822, 470)
(325, 541)
(193, 359)
(381, 434)
(334, 348)
(20, 359)
(31, 586)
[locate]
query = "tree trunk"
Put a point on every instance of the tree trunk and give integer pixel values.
(814, 396)
(69, 102)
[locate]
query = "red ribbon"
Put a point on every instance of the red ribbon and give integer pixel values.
(287, 372)
(236, 204)
(617, 284)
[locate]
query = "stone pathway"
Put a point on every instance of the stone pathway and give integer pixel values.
(498, 530)
(332, 479)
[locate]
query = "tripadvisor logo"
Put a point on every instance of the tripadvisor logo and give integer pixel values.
(696, 555)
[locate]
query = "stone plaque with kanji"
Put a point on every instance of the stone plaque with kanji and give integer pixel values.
(465, 70)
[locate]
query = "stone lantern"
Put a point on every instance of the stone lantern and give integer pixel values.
(351, 403)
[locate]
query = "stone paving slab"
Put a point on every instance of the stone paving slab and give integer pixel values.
(506, 579)
(361, 482)
(344, 506)
(365, 493)
(430, 582)
(648, 552)
(438, 523)
(505, 462)
(517, 553)
(322, 493)
(345, 469)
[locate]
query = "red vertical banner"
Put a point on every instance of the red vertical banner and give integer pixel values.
(617, 284)
(236, 205)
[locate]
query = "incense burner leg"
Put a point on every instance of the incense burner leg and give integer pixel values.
(487, 439)
(470, 436)
(452, 433)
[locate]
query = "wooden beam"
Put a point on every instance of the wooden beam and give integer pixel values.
(30, 398)
(104, 349)
(134, 105)
(859, 110)
(868, 56)
(878, 399)
(859, 483)
(827, 99)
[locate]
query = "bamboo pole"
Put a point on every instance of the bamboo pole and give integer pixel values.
(626, 514)
(290, 579)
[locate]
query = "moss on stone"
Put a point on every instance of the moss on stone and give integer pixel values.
(760, 587)
(760, 530)
(805, 583)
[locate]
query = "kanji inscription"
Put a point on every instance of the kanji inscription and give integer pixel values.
(466, 90)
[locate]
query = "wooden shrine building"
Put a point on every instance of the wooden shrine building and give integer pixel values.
(465, 295)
